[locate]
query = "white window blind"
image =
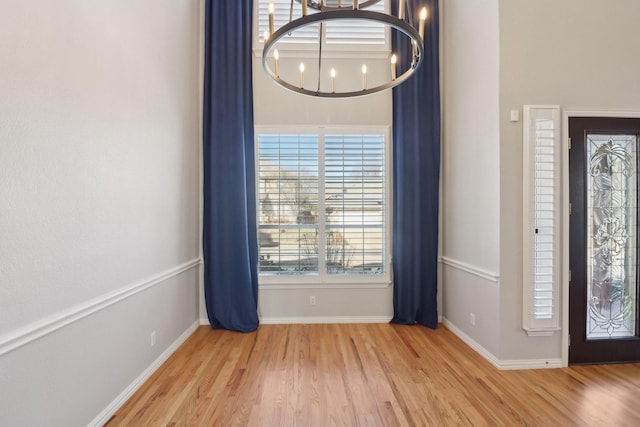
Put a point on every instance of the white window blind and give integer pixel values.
(341, 35)
(304, 36)
(355, 201)
(322, 206)
(541, 264)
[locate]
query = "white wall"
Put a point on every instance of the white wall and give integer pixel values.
(99, 195)
(579, 54)
(471, 169)
(274, 105)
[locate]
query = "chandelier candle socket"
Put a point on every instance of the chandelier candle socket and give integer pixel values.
(323, 12)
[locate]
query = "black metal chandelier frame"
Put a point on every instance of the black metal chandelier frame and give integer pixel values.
(341, 13)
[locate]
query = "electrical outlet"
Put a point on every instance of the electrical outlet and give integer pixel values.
(153, 338)
(312, 300)
(472, 318)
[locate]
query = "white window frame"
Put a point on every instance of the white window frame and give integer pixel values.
(310, 50)
(322, 279)
(532, 324)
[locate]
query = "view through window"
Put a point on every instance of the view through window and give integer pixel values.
(322, 207)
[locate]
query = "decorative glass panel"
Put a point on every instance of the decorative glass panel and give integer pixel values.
(612, 238)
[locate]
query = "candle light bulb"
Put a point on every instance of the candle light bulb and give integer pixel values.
(276, 54)
(265, 35)
(271, 10)
(301, 74)
(394, 61)
(364, 77)
(333, 79)
(423, 17)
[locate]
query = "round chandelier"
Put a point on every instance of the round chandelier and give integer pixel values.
(337, 10)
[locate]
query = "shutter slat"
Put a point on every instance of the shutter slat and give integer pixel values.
(541, 147)
(351, 32)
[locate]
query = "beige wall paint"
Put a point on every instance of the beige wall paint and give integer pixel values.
(99, 191)
(471, 167)
(274, 105)
(498, 56)
(579, 54)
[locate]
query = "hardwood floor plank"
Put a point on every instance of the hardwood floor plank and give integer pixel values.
(369, 375)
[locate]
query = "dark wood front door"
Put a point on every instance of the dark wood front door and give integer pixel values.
(604, 242)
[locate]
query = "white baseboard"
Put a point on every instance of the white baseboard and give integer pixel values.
(503, 365)
(108, 412)
(40, 328)
(507, 365)
(319, 320)
(323, 319)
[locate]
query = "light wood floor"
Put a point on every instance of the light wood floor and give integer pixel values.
(369, 375)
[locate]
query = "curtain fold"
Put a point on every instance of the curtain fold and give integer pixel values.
(416, 170)
(230, 244)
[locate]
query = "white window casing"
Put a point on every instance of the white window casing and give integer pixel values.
(541, 222)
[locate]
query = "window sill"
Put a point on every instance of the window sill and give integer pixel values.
(541, 332)
(316, 285)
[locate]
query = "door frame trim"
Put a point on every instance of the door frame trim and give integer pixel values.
(564, 217)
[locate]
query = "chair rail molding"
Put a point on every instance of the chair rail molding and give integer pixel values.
(471, 269)
(17, 338)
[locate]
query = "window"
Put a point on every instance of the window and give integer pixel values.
(323, 206)
(338, 35)
(541, 264)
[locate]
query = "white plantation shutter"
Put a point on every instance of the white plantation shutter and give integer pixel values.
(288, 203)
(355, 35)
(357, 32)
(541, 264)
(304, 36)
(355, 201)
(322, 206)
